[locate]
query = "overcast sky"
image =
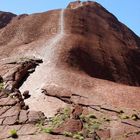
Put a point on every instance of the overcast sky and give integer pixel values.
(127, 11)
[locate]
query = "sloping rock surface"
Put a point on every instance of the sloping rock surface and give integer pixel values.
(80, 56)
(5, 18)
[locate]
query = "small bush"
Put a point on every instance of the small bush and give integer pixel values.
(47, 130)
(123, 116)
(55, 121)
(68, 134)
(1, 86)
(96, 126)
(78, 136)
(13, 133)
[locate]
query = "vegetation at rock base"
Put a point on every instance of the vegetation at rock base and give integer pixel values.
(68, 134)
(132, 133)
(90, 124)
(78, 136)
(60, 117)
(1, 86)
(124, 116)
(55, 121)
(47, 130)
(135, 117)
(132, 117)
(13, 133)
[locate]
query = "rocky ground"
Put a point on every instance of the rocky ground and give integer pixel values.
(79, 120)
(74, 122)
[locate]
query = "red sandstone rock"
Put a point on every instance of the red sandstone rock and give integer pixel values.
(77, 111)
(70, 125)
(23, 117)
(5, 18)
(94, 62)
(34, 117)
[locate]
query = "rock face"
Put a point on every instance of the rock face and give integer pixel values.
(104, 47)
(81, 55)
(5, 18)
(111, 48)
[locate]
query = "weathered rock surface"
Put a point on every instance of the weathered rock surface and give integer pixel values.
(18, 71)
(71, 125)
(81, 56)
(5, 18)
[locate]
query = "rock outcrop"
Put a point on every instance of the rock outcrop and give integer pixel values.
(104, 47)
(82, 58)
(5, 18)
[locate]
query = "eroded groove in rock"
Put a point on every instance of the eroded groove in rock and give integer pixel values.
(49, 61)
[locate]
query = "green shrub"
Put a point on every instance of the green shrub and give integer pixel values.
(55, 121)
(47, 130)
(96, 126)
(78, 136)
(123, 116)
(68, 134)
(13, 133)
(1, 86)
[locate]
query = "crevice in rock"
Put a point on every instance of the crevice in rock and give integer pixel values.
(94, 107)
(68, 99)
(24, 79)
(79, 95)
(7, 116)
(6, 110)
(133, 133)
(64, 99)
(27, 117)
(3, 121)
(110, 110)
(130, 124)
